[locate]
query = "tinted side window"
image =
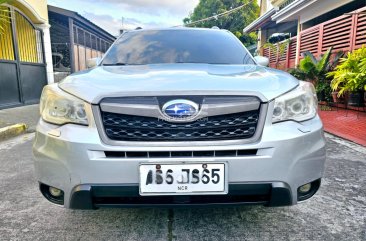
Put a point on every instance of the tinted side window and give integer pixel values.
(177, 46)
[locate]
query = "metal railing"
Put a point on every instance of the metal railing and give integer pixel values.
(61, 57)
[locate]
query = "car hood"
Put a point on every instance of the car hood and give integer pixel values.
(178, 79)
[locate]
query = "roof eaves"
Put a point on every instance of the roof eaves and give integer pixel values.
(78, 17)
(259, 21)
(291, 9)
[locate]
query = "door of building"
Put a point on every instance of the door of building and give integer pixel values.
(22, 68)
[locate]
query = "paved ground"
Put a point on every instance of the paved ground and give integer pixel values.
(348, 124)
(337, 212)
(25, 114)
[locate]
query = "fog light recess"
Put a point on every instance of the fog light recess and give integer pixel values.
(52, 194)
(307, 190)
(55, 192)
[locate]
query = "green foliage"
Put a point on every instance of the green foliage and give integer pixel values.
(309, 68)
(4, 15)
(350, 74)
(316, 70)
(323, 63)
(297, 73)
(324, 91)
(234, 22)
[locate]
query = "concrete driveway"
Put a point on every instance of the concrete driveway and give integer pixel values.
(336, 212)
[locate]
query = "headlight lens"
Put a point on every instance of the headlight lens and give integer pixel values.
(58, 107)
(300, 104)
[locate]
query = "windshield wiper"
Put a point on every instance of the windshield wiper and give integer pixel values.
(115, 64)
(197, 63)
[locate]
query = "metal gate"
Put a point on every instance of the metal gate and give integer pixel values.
(22, 68)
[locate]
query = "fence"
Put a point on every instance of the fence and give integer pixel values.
(283, 60)
(87, 46)
(344, 33)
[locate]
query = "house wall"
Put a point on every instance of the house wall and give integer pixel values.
(36, 10)
(320, 8)
(265, 6)
(303, 15)
(347, 8)
(343, 33)
(278, 3)
(304, 11)
(74, 41)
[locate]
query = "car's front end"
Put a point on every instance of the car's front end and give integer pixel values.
(179, 134)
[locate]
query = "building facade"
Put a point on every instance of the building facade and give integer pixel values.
(25, 52)
(74, 40)
(314, 25)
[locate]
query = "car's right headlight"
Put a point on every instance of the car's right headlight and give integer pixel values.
(299, 104)
(58, 107)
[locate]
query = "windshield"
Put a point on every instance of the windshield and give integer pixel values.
(177, 46)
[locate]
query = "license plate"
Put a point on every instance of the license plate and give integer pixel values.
(180, 179)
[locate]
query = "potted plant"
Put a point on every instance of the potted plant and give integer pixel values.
(350, 76)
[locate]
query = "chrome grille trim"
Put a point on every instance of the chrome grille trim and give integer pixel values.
(151, 106)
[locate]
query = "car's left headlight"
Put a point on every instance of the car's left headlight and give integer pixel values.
(299, 104)
(58, 107)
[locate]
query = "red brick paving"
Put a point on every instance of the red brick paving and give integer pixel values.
(348, 127)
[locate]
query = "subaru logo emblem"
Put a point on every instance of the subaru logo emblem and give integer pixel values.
(180, 109)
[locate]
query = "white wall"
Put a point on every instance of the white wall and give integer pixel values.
(265, 6)
(321, 7)
(47, 51)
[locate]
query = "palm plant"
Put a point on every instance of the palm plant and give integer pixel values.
(4, 15)
(312, 69)
(315, 71)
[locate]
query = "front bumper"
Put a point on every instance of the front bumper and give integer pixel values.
(94, 196)
(72, 158)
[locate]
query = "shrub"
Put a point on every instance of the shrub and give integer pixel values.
(350, 74)
(315, 71)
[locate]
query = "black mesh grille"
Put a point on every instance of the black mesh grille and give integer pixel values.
(122, 127)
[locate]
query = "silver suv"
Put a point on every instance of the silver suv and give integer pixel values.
(178, 116)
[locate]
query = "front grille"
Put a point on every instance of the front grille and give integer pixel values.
(179, 154)
(121, 127)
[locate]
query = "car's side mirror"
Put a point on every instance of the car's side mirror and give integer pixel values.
(261, 60)
(91, 63)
